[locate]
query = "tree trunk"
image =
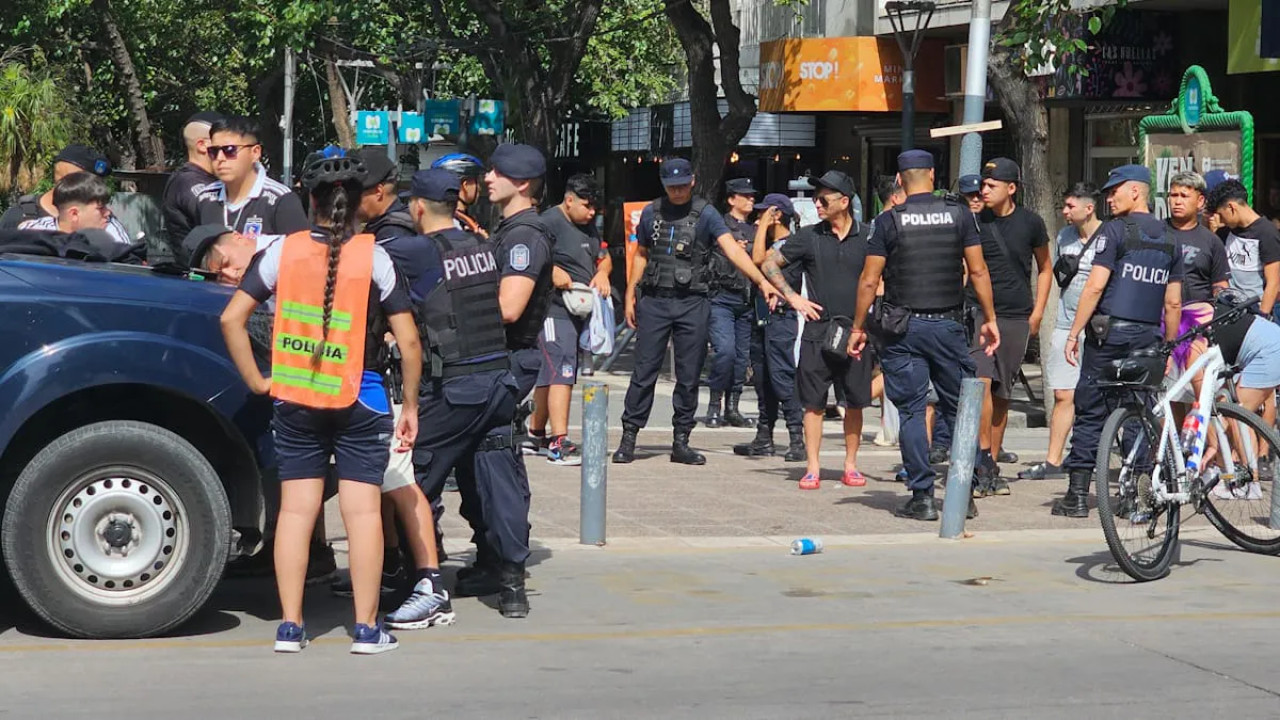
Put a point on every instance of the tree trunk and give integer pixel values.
(1028, 121)
(150, 144)
(713, 136)
(338, 105)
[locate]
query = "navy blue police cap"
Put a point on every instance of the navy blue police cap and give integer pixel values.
(777, 200)
(740, 186)
(1128, 173)
(969, 184)
(85, 158)
(676, 171)
(518, 162)
(915, 160)
(435, 184)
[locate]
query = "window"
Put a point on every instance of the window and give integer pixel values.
(1111, 141)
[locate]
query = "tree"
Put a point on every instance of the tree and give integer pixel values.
(36, 117)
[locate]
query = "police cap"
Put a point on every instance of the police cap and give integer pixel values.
(740, 186)
(969, 184)
(200, 239)
(835, 180)
(915, 160)
(85, 158)
(1002, 169)
(518, 162)
(1128, 173)
(435, 184)
(1214, 178)
(777, 200)
(379, 167)
(676, 171)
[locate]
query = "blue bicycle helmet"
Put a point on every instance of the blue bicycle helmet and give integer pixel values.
(462, 164)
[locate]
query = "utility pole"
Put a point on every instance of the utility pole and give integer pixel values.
(975, 86)
(909, 45)
(286, 164)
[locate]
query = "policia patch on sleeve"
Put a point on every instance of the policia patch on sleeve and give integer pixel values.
(519, 257)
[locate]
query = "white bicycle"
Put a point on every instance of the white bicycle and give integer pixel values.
(1145, 473)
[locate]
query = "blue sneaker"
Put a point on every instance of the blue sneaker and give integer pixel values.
(424, 608)
(372, 640)
(290, 638)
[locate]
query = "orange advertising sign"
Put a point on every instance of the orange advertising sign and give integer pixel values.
(846, 74)
(631, 222)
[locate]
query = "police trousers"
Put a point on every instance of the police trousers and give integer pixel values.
(773, 356)
(682, 320)
(1092, 406)
(465, 425)
(732, 317)
(931, 349)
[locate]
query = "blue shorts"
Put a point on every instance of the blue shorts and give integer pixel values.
(357, 437)
(558, 345)
(1260, 356)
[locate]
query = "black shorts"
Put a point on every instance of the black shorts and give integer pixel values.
(1002, 368)
(816, 373)
(558, 343)
(359, 437)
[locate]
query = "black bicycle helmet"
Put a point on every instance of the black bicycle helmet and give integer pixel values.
(334, 171)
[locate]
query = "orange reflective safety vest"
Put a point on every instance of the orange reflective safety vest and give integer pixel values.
(333, 382)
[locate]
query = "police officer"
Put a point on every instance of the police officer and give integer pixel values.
(467, 402)
(1135, 282)
(670, 270)
(181, 201)
(731, 313)
(921, 249)
(469, 170)
(773, 345)
(37, 212)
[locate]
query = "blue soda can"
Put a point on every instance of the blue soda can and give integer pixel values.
(806, 546)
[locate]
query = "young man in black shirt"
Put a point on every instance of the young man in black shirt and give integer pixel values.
(1253, 245)
(244, 198)
(181, 201)
(38, 212)
(1011, 237)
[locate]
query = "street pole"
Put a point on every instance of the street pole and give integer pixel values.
(595, 463)
(975, 87)
(286, 164)
(909, 46)
(964, 450)
(908, 103)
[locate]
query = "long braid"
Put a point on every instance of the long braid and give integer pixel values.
(335, 208)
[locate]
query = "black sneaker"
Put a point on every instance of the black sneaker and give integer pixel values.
(920, 508)
(1043, 471)
(999, 486)
(260, 564)
(476, 581)
(1008, 458)
(938, 456)
(392, 582)
(322, 567)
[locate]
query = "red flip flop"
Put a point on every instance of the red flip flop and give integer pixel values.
(853, 478)
(810, 482)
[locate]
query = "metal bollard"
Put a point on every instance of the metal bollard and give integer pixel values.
(964, 450)
(595, 463)
(1275, 496)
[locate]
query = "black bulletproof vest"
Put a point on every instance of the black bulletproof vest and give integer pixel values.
(725, 276)
(460, 318)
(392, 224)
(925, 270)
(1135, 291)
(31, 209)
(523, 333)
(677, 261)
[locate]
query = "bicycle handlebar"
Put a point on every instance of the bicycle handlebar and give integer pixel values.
(1204, 329)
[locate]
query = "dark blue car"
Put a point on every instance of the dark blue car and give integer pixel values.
(129, 446)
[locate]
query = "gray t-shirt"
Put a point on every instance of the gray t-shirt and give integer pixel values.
(1069, 243)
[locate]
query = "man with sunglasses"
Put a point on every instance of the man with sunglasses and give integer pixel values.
(244, 198)
(40, 212)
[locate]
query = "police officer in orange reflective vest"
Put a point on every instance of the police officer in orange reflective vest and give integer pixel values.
(336, 294)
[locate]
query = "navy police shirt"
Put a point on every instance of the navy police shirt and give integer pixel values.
(1136, 288)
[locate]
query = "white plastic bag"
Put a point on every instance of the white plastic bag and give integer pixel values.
(597, 336)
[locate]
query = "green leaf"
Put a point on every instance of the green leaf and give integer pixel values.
(1095, 25)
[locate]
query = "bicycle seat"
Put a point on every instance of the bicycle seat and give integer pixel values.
(1143, 367)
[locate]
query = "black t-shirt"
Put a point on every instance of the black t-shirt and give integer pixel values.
(832, 267)
(1022, 231)
(181, 201)
(574, 249)
(1204, 262)
(271, 209)
(524, 251)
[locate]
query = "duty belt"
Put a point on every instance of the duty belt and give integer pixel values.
(955, 314)
(671, 293)
(1122, 323)
(460, 369)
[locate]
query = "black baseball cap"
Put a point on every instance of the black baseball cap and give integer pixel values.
(835, 180)
(518, 162)
(969, 184)
(1002, 169)
(200, 239)
(85, 158)
(380, 168)
(740, 186)
(676, 171)
(436, 184)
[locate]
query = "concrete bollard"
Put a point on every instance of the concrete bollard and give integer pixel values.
(1271, 484)
(964, 450)
(595, 463)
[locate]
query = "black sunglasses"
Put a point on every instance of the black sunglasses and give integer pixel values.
(231, 151)
(826, 200)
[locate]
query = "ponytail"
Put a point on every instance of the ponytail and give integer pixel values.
(331, 203)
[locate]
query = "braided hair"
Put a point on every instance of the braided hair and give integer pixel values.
(332, 204)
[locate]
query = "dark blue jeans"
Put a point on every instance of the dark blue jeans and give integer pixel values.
(731, 318)
(1092, 406)
(773, 356)
(930, 350)
(682, 320)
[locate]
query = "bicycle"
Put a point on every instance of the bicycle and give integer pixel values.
(1159, 472)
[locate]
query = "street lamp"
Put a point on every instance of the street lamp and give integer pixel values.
(909, 43)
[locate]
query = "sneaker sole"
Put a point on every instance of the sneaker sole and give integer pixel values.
(437, 619)
(567, 462)
(287, 646)
(373, 648)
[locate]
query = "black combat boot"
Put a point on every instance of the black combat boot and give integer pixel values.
(795, 451)
(512, 600)
(626, 451)
(682, 453)
(714, 419)
(762, 445)
(731, 413)
(481, 578)
(1075, 504)
(921, 506)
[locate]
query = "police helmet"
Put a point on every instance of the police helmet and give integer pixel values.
(334, 170)
(464, 165)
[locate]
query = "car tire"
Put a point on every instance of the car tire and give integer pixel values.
(118, 529)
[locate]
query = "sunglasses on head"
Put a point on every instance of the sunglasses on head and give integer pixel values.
(231, 151)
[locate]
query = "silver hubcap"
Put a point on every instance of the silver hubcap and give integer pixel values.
(118, 535)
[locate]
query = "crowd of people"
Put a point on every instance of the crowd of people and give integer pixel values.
(404, 335)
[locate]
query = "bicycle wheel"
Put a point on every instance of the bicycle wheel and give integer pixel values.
(1240, 506)
(1140, 531)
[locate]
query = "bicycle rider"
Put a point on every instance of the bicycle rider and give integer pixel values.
(1136, 280)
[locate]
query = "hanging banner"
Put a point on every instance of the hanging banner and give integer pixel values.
(373, 127)
(847, 74)
(1195, 135)
(441, 117)
(412, 129)
(489, 119)
(1249, 49)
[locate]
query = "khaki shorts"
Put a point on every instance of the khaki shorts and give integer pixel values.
(400, 470)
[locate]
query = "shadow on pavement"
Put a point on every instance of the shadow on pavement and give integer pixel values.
(876, 500)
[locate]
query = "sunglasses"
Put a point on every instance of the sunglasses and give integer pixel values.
(826, 200)
(231, 151)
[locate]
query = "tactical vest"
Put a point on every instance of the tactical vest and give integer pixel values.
(460, 319)
(399, 220)
(523, 333)
(677, 261)
(725, 276)
(333, 380)
(1135, 291)
(925, 270)
(30, 205)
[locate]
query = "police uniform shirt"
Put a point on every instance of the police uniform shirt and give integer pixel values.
(1204, 262)
(522, 250)
(832, 267)
(49, 223)
(710, 225)
(575, 249)
(384, 227)
(1249, 251)
(181, 201)
(884, 236)
(1022, 232)
(1135, 290)
(270, 209)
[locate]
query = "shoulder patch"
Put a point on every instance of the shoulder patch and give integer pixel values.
(518, 259)
(1099, 245)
